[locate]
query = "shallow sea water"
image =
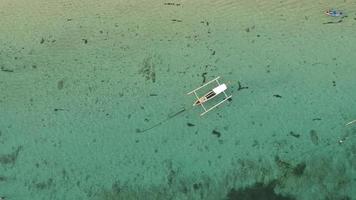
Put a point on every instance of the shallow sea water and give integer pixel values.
(93, 100)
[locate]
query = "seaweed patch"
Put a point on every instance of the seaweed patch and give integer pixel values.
(148, 69)
(204, 76)
(172, 172)
(60, 84)
(44, 184)
(334, 83)
(10, 159)
(268, 69)
(3, 178)
(299, 169)
(171, 4)
(197, 186)
(3, 69)
(294, 134)
(58, 109)
(258, 191)
(176, 20)
(248, 29)
(217, 133)
(314, 137)
(190, 124)
(241, 87)
(281, 163)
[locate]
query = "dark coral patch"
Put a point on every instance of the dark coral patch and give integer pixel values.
(258, 191)
(10, 159)
(299, 169)
(217, 133)
(190, 124)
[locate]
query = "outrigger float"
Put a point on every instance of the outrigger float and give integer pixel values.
(210, 95)
(352, 122)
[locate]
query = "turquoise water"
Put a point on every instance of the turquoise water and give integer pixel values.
(93, 100)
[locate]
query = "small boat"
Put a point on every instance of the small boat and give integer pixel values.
(333, 13)
(220, 88)
(211, 94)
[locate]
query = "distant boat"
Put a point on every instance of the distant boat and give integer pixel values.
(333, 13)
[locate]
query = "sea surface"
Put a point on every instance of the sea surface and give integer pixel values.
(94, 104)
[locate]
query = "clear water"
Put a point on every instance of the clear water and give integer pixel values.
(93, 100)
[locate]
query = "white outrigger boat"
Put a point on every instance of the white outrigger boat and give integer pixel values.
(210, 95)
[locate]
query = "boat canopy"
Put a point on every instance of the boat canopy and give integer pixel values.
(221, 88)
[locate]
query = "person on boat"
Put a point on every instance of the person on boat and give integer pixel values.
(333, 13)
(211, 94)
(204, 98)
